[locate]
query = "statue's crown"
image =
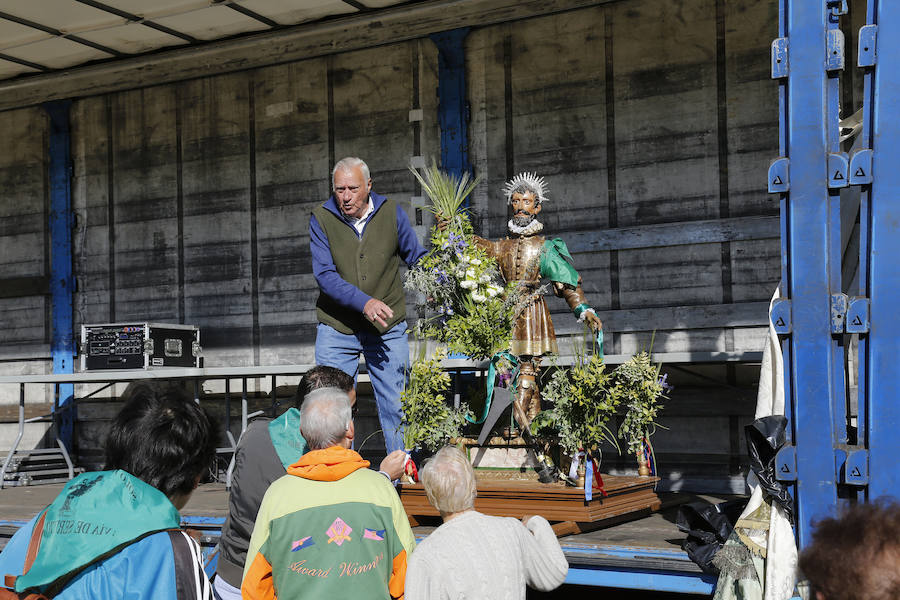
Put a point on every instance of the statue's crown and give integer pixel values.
(527, 180)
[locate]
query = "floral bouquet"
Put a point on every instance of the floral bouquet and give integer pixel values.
(466, 304)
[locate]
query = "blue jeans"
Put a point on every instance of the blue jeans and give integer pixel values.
(387, 360)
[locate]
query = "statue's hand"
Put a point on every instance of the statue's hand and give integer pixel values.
(593, 321)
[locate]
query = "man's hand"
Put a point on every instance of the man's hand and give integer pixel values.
(393, 464)
(377, 311)
(593, 321)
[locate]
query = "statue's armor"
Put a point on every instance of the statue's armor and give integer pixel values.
(519, 260)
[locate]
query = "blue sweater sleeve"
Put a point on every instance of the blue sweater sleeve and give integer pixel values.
(330, 282)
(410, 248)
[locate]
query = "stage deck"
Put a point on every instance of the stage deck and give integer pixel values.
(649, 547)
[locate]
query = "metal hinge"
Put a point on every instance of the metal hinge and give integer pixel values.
(834, 50)
(781, 316)
(839, 304)
(779, 175)
(838, 8)
(867, 56)
(861, 167)
(851, 464)
(786, 464)
(858, 315)
(780, 58)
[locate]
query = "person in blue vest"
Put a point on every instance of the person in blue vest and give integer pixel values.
(115, 533)
(265, 451)
(358, 240)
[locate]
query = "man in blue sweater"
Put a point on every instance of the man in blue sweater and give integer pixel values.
(357, 240)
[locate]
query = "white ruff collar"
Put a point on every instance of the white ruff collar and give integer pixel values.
(532, 228)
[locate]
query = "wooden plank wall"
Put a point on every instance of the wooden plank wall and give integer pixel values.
(653, 122)
(196, 196)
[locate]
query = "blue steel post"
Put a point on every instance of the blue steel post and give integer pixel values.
(808, 250)
(453, 109)
(62, 279)
(884, 265)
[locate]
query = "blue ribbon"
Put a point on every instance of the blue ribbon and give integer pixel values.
(588, 477)
(491, 379)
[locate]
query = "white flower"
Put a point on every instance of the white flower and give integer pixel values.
(478, 297)
(468, 284)
(474, 261)
(484, 279)
(493, 290)
(470, 273)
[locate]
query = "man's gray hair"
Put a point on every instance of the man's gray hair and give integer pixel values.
(325, 417)
(348, 163)
(449, 481)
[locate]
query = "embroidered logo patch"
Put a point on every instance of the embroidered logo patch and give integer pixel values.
(373, 534)
(302, 543)
(339, 532)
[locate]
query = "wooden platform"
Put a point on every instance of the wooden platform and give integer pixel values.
(627, 498)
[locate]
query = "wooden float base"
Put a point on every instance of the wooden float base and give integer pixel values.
(627, 498)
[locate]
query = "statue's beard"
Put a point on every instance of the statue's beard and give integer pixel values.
(522, 220)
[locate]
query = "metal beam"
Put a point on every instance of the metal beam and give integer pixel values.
(276, 47)
(453, 106)
(807, 249)
(62, 279)
(884, 267)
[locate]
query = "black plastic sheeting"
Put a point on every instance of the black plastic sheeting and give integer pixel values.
(708, 525)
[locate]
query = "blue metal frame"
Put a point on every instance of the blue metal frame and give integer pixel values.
(883, 276)
(453, 109)
(637, 579)
(62, 278)
(809, 251)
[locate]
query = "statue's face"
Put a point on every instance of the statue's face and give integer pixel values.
(525, 208)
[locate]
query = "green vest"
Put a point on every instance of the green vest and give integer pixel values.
(372, 264)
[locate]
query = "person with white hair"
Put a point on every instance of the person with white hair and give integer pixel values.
(330, 528)
(357, 241)
(472, 555)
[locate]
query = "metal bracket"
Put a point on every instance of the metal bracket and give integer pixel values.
(780, 64)
(779, 179)
(781, 316)
(861, 167)
(867, 56)
(839, 304)
(858, 315)
(852, 465)
(834, 50)
(838, 8)
(838, 170)
(786, 464)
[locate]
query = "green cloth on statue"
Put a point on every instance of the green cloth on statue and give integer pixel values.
(555, 264)
(285, 434)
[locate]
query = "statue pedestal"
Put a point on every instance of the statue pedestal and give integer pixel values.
(564, 506)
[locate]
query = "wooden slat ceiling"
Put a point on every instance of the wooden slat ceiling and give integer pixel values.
(41, 36)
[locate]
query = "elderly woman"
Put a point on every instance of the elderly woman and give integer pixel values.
(473, 555)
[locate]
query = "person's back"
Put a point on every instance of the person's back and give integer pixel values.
(330, 527)
(115, 533)
(474, 555)
(479, 556)
(264, 452)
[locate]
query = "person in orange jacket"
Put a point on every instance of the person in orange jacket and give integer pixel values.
(330, 527)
